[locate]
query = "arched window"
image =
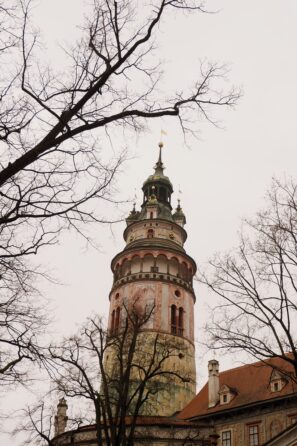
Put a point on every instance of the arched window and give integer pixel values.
(173, 319)
(151, 214)
(162, 194)
(112, 321)
(180, 321)
(117, 272)
(150, 233)
(173, 267)
(135, 265)
(148, 262)
(125, 267)
(161, 263)
(184, 271)
(117, 320)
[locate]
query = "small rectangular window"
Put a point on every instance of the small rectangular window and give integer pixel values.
(226, 438)
(254, 435)
(293, 419)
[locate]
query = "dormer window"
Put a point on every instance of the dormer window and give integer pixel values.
(224, 398)
(226, 394)
(277, 381)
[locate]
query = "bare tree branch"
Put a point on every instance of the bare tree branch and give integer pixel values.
(258, 284)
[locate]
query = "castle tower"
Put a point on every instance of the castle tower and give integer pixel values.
(155, 269)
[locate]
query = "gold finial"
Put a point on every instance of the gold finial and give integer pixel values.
(163, 133)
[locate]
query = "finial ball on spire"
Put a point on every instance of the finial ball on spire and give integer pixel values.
(161, 144)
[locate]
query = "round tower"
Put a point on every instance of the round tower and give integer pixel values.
(155, 270)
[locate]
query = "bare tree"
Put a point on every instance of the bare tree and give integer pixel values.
(50, 167)
(117, 373)
(21, 322)
(37, 423)
(258, 284)
(53, 126)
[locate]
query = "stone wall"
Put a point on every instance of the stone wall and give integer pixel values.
(170, 391)
(149, 434)
(271, 421)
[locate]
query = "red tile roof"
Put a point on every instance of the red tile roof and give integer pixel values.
(252, 384)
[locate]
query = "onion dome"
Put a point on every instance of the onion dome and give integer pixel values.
(157, 191)
(158, 184)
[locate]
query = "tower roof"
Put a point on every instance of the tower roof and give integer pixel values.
(157, 190)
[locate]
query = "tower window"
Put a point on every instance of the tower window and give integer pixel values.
(117, 320)
(112, 321)
(177, 320)
(180, 321)
(150, 233)
(162, 194)
(173, 319)
(151, 215)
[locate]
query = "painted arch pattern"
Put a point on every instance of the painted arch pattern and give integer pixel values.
(156, 264)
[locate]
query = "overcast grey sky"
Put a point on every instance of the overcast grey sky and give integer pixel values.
(223, 175)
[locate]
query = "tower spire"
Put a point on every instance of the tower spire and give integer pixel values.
(159, 167)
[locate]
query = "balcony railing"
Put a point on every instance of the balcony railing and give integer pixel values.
(153, 276)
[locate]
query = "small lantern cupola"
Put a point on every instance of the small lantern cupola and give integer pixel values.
(179, 217)
(133, 216)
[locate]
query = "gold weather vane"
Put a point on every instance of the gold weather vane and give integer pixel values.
(163, 133)
(179, 194)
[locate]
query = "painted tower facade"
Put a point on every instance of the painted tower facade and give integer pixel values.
(155, 271)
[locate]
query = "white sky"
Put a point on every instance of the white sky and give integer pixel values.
(223, 176)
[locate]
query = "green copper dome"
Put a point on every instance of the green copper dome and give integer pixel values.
(158, 185)
(157, 191)
(158, 176)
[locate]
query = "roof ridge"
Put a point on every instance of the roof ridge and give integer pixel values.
(253, 364)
